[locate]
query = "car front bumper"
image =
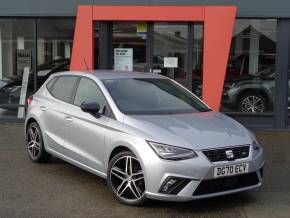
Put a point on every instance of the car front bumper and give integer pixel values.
(198, 172)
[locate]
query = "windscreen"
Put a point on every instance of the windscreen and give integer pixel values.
(151, 96)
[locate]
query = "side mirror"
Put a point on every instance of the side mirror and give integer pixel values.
(92, 108)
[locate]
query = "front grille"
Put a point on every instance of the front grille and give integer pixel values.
(215, 155)
(212, 186)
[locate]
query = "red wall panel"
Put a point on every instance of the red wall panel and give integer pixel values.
(83, 47)
(218, 28)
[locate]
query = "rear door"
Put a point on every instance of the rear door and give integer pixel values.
(53, 106)
(86, 133)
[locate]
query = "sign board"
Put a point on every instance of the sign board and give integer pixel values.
(141, 27)
(170, 62)
(123, 59)
(23, 91)
(23, 59)
(142, 30)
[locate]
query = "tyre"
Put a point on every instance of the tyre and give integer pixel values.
(252, 103)
(34, 144)
(125, 179)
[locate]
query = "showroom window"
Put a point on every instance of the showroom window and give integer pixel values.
(170, 42)
(129, 46)
(54, 46)
(16, 80)
(250, 77)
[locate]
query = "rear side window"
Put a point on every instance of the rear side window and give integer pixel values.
(51, 83)
(63, 87)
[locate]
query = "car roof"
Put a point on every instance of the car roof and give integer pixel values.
(111, 74)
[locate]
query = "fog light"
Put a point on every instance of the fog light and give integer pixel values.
(169, 184)
(173, 185)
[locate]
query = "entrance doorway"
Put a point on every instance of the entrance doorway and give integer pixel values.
(129, 46)
(165, 48)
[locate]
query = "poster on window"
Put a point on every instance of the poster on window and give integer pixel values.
(170, 62)
(123, 59)
(23, 59)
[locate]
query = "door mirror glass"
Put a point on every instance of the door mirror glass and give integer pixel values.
(92, 108)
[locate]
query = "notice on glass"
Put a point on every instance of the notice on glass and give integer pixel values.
(170, 62)
(123, 59)
(24, 58)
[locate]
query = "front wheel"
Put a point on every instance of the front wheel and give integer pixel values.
(125, 179)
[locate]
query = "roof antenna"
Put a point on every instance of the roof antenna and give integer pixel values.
(87, 68)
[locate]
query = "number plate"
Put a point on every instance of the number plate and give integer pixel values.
(230, 170)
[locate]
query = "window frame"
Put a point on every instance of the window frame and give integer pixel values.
(56, 78)
(110, 114)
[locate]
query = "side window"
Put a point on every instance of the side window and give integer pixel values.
(63, 87)
(50, 84)
(88, 91)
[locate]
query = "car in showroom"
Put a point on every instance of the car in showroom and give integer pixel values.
(251, 93)
(248, 93)
(148, 136)
(10, 87)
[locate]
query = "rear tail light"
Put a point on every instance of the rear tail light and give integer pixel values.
(29, 100)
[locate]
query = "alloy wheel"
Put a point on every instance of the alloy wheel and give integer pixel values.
(252, 104)
(127, 178)
(33, 142)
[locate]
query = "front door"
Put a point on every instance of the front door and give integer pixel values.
(86, 133)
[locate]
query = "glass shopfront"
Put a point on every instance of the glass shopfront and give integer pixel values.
(170, 43)
(16, 44)
(250, 75)
(17, 56)
(158, 47)
(54, 45)
(250, 78)
(129, 46)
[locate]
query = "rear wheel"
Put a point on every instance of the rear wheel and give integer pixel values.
(126, 179)
(252, 103)
(34, 143)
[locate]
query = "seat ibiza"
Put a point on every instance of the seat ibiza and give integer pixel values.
(147, 135)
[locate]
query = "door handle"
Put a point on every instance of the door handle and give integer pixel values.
(43, 108)
(69, 119)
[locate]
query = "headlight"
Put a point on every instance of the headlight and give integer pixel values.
(170, 152)
(256, 145)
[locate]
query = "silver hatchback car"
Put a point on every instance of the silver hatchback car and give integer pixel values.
(146, 134)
